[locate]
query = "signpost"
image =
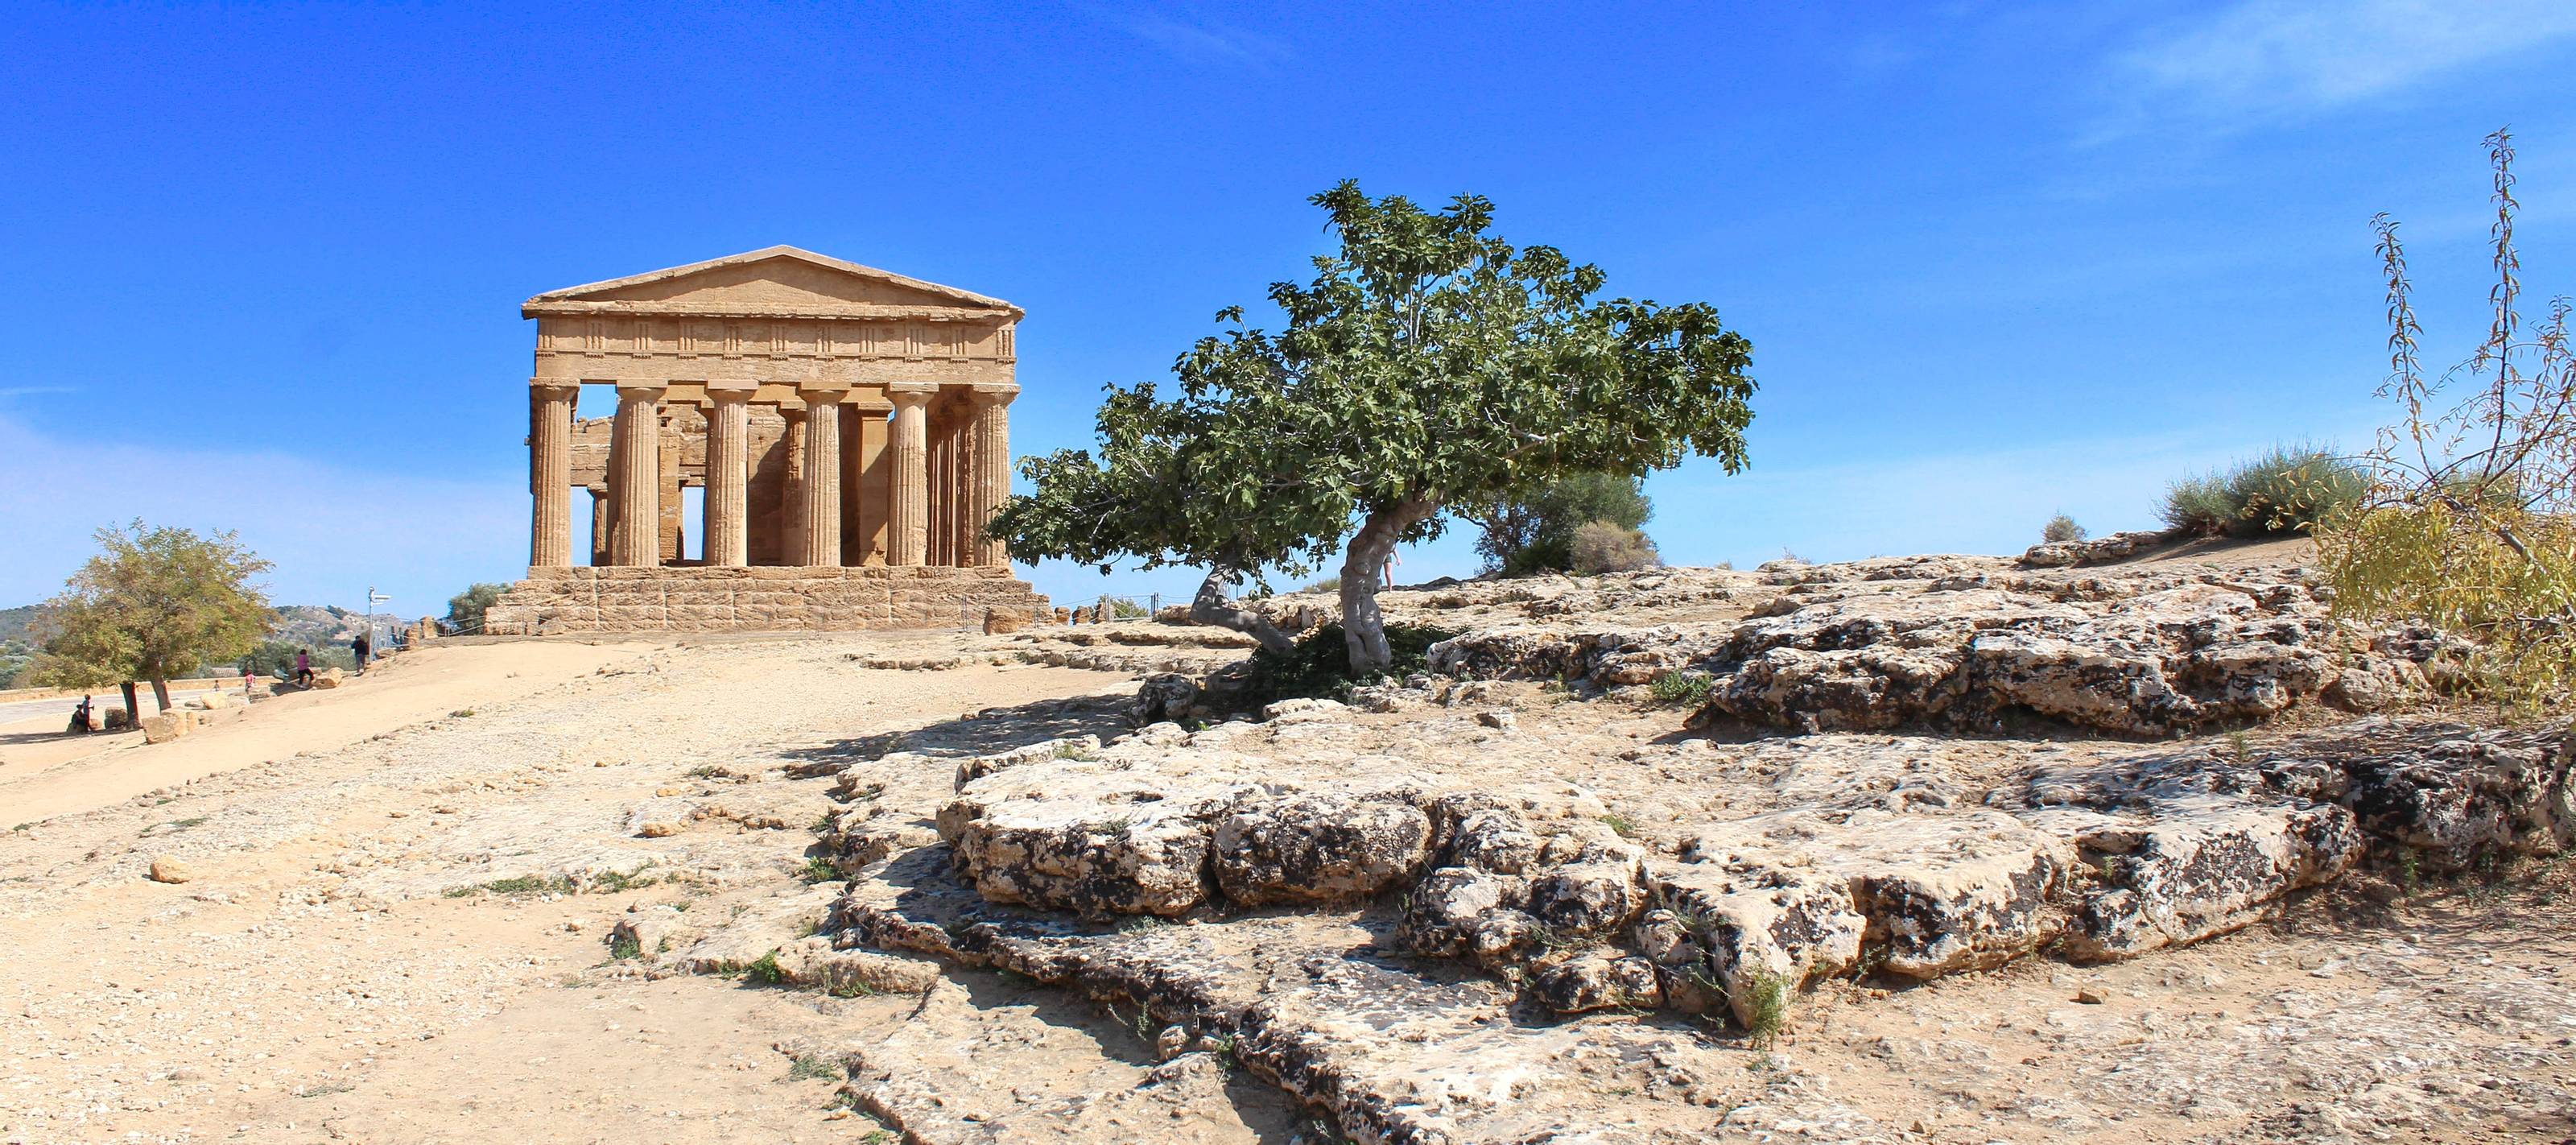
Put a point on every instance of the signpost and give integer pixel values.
(374, 598)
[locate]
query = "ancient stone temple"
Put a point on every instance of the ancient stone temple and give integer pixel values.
(850, 429)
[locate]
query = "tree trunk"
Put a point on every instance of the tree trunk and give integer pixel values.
(1211, 606)
(133, 706)
(161, 692)
(1363, 567)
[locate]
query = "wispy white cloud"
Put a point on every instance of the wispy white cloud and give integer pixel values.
(1204, 42)
(2268, 59)
(8, 392)
(331, 531)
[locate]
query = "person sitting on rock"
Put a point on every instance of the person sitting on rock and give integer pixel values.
(304, 667)
(80, 717)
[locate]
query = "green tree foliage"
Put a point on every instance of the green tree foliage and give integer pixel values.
(1536, 533)
(465, 609)
(80, 647)
(1429, 367)
(154, 604)
(2062, 529)
(2469, 521)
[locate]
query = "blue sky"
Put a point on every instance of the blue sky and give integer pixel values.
(262, 266)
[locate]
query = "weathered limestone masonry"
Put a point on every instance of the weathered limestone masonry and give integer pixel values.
(838, 417)
(759, 599)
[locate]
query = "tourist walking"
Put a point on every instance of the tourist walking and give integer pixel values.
(361, 647)
(304, 667)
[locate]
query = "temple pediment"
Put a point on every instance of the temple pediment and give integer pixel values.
(779, 281)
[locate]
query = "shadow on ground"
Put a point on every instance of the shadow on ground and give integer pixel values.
(982, 733)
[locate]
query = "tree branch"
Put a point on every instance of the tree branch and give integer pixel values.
(1213, 606)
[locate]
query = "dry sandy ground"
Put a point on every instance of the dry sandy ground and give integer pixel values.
(342, 967)
(315, 980)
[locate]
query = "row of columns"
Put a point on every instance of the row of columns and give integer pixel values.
(971, 458)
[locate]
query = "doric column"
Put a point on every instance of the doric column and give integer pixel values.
(822, 501)
(603, 518)
(992, 478)
(791, 490)
(908, 525)
(728, 532)
(635, 476)
(550, 475)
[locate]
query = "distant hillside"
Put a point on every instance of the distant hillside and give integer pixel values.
(300, 622)
(17, 624)
(308, 624)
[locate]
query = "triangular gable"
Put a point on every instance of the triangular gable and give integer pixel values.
(772, 280)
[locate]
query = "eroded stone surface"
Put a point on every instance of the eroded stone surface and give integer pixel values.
(1967, 642)
(1412, 909)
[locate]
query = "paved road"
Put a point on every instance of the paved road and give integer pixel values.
(60, 707)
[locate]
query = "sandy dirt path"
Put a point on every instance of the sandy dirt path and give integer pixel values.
(376, 941)
(43, 775)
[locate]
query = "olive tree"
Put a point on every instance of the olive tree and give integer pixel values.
(2469, 518)
(1428, 369)
(154, 604)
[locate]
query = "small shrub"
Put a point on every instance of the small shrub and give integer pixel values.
(521, 886)
(624, 946)
(1328, 584)
(2288, 489)
(2199, 505)
(819, 870)
(1682, 689)
(1122, 609)
(2435, 564)
(1625, 826)
(765, 972)
(2062, 529)
(808, 1067)
(614, 882)
(1769, 1016)
(1605, 547)
(2292, 489)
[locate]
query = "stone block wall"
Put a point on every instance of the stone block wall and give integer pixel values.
(756, 599)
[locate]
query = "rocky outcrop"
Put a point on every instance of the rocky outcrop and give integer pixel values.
(1290, 889)
(1962, 642)
(2098, 550)
(2177, 657)
(2103, 860)
(1608, 657)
